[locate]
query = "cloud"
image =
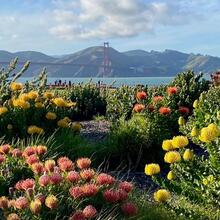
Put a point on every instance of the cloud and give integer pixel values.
(86, 19)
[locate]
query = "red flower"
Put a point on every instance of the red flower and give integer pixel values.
(158, 98)
(16, 152)
(138, 108)
(28, 151)
(32, 159)
(65, 164)
(171, 90)
(87, 174)
(21, 203)
(111, 196)
(123, 195)
(83, 163)
(141, 95)
(2, 158)
(55, 178)
(165, 110)
(89, 211)
(44, 180)
(151, 108)
(104, 179)
(41, 150)
(78, 215)
(129, 209)
(73, 176)
(5, 149)
(37, 168)
(89, 190)
(76, 192)
(27, 184)
(126, 186)
(183, 110)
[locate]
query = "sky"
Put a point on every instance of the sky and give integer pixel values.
(57, 27)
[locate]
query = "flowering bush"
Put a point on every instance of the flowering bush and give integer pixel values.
(61, 189)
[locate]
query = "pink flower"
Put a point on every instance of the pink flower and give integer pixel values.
(55, 178)
(28, 151)
(16, 152)
(21, 203)
(49, 165)
(87, 174)
(89, 211)
(73, 176)
(44, 180)
(41, 150)
(76, 192)
(18, 185)
(104, 179)
(37, 168)
(123, 195)
(78, 215)
(111, 196)
(129, 209)
(27, 184)
(2, 158)
(83, 163)
(89, 190)
(32, 159)
(65, 164)
(126, 186)
(5, 149)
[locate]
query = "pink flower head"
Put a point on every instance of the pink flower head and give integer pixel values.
(73, 176)
(41, 197)
(2, 158)
(129, 209)
(28, 151)
(111, 196)
(55, 178)
(65, 164)
(105, 179)
(76, 192)
(41, 150)
(78, 215)
(126, 186)
(18, 185)
(183, 110)
(21, 203)
(4, 149)
(83, 163)
(123, 195)
(89, 190)
(49, 165)
(44, 180)
(89, 211)
(27, 184)
(32, 159)
(87, 174)
(16, 152)
(37, 168)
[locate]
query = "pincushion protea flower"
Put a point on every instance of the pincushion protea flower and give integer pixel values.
(78, 215)
(55, 178)
(111, 196)
(51, 202)
(122, 195)
(41, 150)
(13, 216)
(73, 176)
(129, 209)
(2, 158)
(172, 90)
(28, 184)
(37, 168)
(44, 180)
(76, 192)
(138, 108)
(4, 149)
(141, 95)
(16, 152)
(89, 190)
(87, 174)
(32, 159)
(126, 186)
(183, 110)
(49, 165)
(21, 203)
(83, 163)
(164, 110)
(105, 179)
(4, 203)
(89, 211)
(28, 151)
(65, 164)
(35, 206)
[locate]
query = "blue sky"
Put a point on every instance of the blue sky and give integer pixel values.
(65, 26)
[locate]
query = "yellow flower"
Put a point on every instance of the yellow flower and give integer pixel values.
(214, 128)
(152, 169)
(195, 104)
(205, 182)
(162, 195)
(51, 201)
(67, 119)
(167, 145)
(208, 134)
(51, 116)
(16, 86)
(76, 127)
(211, 178)
(171, 175)
(188, 155)
(63, 123)
(48, 95)
(24, 96)
(181, 121)
(3, 110)
(33, 129)
(9, 127)
(35, 206)
(172, 157)
(194, 132)
(180, 141)
(20, 103)
(33, 95)
(39, 105)
(60, 102)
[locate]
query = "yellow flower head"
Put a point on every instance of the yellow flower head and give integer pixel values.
(162, 195)
(172, 157)
(188, 155)
(16, 86)
(208, 134)
(63, 123)
(152, 169)
(48, 95)
(51, 201)
(39, 105)
(24, 96)
(167, 145)
(195, 104)
(51, 116)
(215, 129)
(33, 95)
(67, 119)
(3, 110)
(181, 121)
(171, 175)
(20, 103)
(194, 132)
(60, 102)
(180, 141)
(9, 127)
(76, 127)
(33, 129)
(35, 206)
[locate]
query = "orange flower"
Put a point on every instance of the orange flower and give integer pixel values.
(165, 110)
(65, 164)
(83, 163)
(89, 190)
(87, 174)
(73, 176)
(183, 110)
(37, 168)
(171, 90)
(138, 108)
(141, 95)
(158, 98)
(5, 149)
